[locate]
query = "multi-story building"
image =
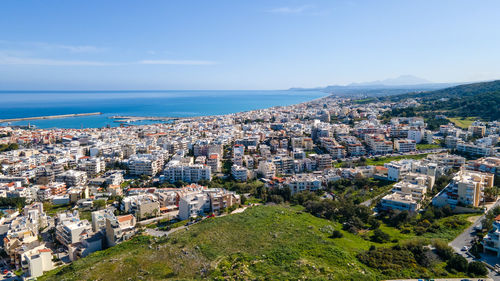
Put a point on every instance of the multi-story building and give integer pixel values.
(398, 201)
(323, 161)
(193, 205)
(379, 145)
(356, 149)
(239, 173)
(214, 162)
(477, 131)
(221, 199)
(304, 182)
(405, 145)
(72, 178)
(487, 165)
(466, 188)
(491, 242)
(145, 164)
(177, 171)
(92, 166)
(119, 229)
(73, 231)
(474, 149)
(267, 169)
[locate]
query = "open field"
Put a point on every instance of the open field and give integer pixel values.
(463, 122)
(379, 161)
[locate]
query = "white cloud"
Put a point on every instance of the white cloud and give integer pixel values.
(51, 46)
(6, 59)
(79, 49)
(178, 62)
(291, 10)
(10, 60)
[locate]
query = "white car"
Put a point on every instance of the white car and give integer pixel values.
(465, 248)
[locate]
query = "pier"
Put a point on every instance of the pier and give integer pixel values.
(50, 117)
(131, 119)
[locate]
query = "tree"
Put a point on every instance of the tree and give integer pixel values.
(99, 204)
(491, 193)
(243, 199)
(380, 237)
(458, 263)
(477, 268)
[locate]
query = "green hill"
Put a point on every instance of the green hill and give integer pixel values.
(471, 100)
(262, 243)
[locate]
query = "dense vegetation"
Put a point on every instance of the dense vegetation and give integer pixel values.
(359, 189)
(8, 147)
(480, 100)
(17, 202)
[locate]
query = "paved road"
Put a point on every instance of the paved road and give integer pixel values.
(368, 202)
(465, 238)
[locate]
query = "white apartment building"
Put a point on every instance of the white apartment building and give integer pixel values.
(398, 201)
(379, 145)
(474, 149)
(72, 178)
(38, 261)
(177, 171)
(491, 241)
(239, 173)
(92, 166)
(193, 205)
(304, 182)
(267, 169)
(405, 145)
(73, 231)
(416, 135)
(145, 164)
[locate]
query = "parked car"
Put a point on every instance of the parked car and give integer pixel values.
(465, 248)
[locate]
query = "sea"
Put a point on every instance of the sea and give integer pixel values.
(19, 104)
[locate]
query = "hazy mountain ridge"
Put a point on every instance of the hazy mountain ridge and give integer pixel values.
(387, 87)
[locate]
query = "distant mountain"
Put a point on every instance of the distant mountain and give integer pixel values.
(388, 87)
(403, 80)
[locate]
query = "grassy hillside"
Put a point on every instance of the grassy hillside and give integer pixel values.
(262, 243)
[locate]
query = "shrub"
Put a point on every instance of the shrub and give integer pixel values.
(380, 237)
(458, 263)
(444, 251)
(477, 268)
(337, 234)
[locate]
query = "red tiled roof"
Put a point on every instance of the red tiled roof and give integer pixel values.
(124, 218)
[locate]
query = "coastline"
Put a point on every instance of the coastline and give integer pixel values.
(135, 110)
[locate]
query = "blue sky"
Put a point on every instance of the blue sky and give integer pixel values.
(233, 44)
